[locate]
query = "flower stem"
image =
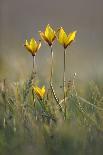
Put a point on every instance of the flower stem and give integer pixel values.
(64, 84)
(34, 71)
(51, 74)
(51, 81)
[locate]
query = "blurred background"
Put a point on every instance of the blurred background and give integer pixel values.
(22, 19)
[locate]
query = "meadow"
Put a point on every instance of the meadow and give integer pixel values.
(37, 119)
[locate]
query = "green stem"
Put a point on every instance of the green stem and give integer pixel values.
(51, 74)
(51, 81)
(34, 68)
(64, 84)
(34, 71)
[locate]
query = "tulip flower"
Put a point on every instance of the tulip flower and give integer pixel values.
(33, 48)
(65, 39)
(40, 92)
(48, 35)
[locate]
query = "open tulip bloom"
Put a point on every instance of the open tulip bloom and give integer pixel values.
(48, 35)
(65, 39)
(40, 92)
(33, 48)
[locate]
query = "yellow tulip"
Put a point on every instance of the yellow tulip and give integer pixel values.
(65, 39)
(49, 35)
(40, 92)
(33, 46)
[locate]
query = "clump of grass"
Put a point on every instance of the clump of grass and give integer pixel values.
(43, 121)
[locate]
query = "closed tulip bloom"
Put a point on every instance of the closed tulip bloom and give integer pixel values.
(32, 46)
(65, 39)
(48, 35)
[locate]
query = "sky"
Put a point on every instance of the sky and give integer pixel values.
(22, 19)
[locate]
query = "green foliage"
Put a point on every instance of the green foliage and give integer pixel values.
(29, 125)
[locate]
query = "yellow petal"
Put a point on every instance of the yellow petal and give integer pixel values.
(47, 32)
(50, 33)
(39, 45)
(43, 90)
(33, 45)
(44, 37)
(61, 36)
(37, 90)
(27, 46)
(71, 38)
(26, 43)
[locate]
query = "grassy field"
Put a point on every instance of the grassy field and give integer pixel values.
(29, 125)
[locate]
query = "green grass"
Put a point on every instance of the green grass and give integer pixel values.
(29, 125)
